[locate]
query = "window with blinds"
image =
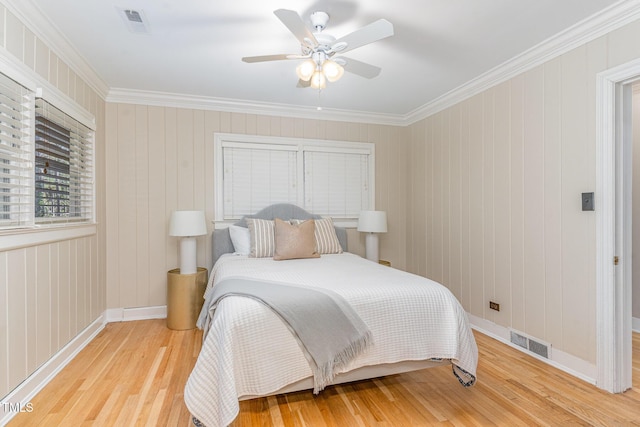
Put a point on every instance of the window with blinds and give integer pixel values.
(329, 178)
(16, 165)
(255, 177)
(63, 167)
(336, 183)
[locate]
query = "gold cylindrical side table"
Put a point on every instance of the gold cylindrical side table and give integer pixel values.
(185, 296)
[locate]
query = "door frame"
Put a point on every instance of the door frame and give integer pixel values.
(613, 225)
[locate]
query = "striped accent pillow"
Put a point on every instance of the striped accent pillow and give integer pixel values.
(262, 237)
(326, 239)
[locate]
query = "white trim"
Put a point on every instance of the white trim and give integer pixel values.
(566, 362)
(589, 29)
(62, 102)
(221, 140)
(613, 334)
(635, 324)
(175, 100)
(16, 70)
(597, 25)
(20, 238)
(344, 223)
(37, 22)
(136, 313)
(45, 373)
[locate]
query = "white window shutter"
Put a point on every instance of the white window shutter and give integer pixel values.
(16, 154)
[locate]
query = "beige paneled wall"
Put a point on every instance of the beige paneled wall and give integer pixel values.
(495, 209)
(160, 159)
(54, 290)
(53, 293)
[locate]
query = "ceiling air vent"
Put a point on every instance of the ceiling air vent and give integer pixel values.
(134, 20)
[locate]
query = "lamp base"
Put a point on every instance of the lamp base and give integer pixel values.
(188, 255)
(371, 247)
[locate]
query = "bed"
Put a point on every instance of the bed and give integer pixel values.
(248, 351)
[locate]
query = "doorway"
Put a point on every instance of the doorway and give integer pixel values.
(613, 226)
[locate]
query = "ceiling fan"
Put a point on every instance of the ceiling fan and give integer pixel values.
(322, 52)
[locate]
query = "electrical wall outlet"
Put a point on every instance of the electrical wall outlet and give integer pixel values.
(494, 306)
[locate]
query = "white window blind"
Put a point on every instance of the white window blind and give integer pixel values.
(16, 173)
(336, 183)
(64, 167)
(256, 176)
(329, 178)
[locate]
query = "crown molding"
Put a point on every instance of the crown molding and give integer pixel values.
(164, 99)
(599, 24)
(589, 29)
(37, 22)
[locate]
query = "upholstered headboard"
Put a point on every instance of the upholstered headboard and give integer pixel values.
(221, 240)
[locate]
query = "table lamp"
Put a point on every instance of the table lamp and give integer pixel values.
(187, 225)
(372, 222)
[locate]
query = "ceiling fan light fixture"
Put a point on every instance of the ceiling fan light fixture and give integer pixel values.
(332, 70)
(306, 69)
(318, 48)
(318, 80)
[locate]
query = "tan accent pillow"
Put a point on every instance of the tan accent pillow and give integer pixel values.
(261, 237)
(295, 241)
(326, 239)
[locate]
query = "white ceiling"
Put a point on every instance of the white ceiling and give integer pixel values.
(194, 47)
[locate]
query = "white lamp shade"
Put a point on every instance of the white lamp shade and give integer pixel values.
(372, 221)
(332, 70)
(318, 80)
(187, 223)
(306, 69)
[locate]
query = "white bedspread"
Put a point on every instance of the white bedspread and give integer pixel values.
(248, 350)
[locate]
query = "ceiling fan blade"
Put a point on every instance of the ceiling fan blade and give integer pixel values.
(368, 34)
(264, 58)
(294, 23)
(360, 68)
(303, 84)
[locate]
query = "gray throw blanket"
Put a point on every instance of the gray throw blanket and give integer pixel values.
(328, 330)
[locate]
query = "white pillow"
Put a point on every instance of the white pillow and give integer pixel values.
(241, 239)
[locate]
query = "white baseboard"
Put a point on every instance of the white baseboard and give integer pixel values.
(20, 397)
(559, 359)
(636, 324)
(137, 313)
(22, 394)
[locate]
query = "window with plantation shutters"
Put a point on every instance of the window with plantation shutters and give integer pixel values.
(328, 178)
(63, 167)
(16, 153)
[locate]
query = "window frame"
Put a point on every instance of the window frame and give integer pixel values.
(88, 147)
(301, 145)
(30, 233)
(20, 169)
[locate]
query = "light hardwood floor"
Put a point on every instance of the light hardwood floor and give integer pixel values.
(134, 373)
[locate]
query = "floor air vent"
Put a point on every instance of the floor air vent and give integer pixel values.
(534, 346)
